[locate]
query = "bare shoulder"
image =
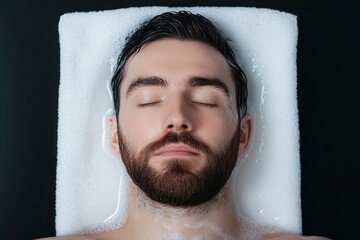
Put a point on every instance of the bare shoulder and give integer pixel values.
(290, 236)
(107, 235)
(68, 238)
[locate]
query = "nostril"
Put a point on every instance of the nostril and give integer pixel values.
(182, 127)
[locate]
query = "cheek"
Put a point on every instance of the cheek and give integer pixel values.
(139, 130)
(218, 130)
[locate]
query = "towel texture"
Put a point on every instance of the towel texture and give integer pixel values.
(91, 191)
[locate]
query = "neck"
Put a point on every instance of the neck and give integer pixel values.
(214, 219)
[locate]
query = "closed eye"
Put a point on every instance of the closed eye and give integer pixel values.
(150, 104)
(209, 105)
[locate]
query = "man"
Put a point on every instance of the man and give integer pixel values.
(180, 126)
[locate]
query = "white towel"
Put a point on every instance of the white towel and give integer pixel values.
(267, 184)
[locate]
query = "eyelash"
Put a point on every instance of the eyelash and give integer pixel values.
(144, 105)
(209, 105)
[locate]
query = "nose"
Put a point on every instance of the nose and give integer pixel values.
(178, 117)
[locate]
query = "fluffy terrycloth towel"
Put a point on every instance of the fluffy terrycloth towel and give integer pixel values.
(91, 191)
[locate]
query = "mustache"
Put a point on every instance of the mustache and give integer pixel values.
(172, 137)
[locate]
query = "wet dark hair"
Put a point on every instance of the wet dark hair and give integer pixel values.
(182, 25)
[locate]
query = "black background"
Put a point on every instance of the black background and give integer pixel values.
(328, 100)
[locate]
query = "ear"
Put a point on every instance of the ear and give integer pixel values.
(245, 134)
(114, 139)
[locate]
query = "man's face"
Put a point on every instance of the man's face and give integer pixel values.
(179, 133)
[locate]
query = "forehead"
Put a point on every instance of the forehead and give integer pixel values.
(176, 61)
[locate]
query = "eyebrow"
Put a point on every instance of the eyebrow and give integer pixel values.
(192, 82)
(212, 82)
(148, 81)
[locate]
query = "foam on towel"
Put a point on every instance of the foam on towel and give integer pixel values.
(91, 183)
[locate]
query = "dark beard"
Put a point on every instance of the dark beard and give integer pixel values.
(177, 184)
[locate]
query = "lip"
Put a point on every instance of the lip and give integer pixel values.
(176, 150)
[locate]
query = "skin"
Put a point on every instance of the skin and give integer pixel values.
(179, 107)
